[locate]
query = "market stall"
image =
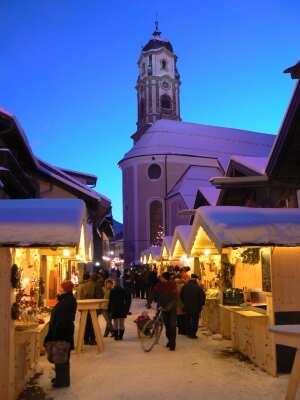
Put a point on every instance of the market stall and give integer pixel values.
(270, 241)
(26, 228)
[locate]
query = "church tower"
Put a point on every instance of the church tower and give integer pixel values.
(158, 82)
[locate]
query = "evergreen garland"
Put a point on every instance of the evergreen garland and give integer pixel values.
(226, 273)
(251, 256)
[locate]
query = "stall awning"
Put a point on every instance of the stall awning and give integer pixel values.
(225, 226)
(42, 222)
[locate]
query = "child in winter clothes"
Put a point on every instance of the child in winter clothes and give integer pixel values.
(141, 321)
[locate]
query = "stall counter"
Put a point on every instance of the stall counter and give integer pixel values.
(28, 344)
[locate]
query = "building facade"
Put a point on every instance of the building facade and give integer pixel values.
(171, 160)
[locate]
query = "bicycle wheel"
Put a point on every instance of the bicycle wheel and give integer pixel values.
(160, 326)
(150, 335)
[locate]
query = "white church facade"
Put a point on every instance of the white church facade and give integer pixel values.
(172, 161)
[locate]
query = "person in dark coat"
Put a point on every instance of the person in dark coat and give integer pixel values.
(152, 278)
(193, 299)
(61, 327)
(128, 287)
(117, 306)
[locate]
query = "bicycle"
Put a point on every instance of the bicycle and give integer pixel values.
(151, 331)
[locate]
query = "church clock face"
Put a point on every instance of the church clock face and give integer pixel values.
(165, 85)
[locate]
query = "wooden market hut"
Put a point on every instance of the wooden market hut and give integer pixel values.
(26, 228)
(276, 233)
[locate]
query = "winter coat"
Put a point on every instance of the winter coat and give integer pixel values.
(166, 295)
(81, 293)
(61, 324)
(152, 278)
(127, 283)
(179, 283)
(117, 302)
(192, 297)
(106, 293)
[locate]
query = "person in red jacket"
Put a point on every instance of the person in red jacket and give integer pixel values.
(166, 295)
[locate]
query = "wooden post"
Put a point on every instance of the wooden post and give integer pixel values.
(7, 355)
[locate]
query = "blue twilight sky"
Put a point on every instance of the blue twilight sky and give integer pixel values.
(68, 70)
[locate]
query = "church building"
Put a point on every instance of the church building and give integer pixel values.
(171, 161)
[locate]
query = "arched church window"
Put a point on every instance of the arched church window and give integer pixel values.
(154, 171)
(165, 101)
(156, 221)
(164, 65)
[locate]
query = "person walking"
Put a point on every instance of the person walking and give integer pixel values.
(104, 309)
(193, 299)
(166, 295)
(118, 306)
(61, 327)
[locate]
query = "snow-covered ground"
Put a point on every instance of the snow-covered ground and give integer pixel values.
(204, 368)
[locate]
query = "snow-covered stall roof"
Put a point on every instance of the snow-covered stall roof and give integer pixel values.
(180, 240)
(185, 138)
(211, 194)
(42, 222)
(154, 253)
(255, 164)
(165, 247)
(223, 226)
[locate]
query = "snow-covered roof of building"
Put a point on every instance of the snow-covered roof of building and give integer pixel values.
(223, 226)
(156, 42)
(189, 139)
(42, 222)
(65, 178)
(189, 183)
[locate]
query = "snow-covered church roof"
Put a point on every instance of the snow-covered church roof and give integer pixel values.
(190, 139)
(194, 178)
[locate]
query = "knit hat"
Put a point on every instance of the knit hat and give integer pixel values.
(194, 276)
(166, 275)
(67, 286)
(145, 313)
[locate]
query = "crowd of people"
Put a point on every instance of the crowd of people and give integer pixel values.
(178, 293)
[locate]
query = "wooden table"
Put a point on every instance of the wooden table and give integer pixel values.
(85, 306)
(289, 335)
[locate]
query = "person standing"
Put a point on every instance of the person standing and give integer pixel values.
(179, 282)
(117, 306)
(145, 284)
(93, 291)
(128, 287)
(193, 299)
(61, 327)
(166, 295)
(81, 289)
(152, 278)
(104, 309)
